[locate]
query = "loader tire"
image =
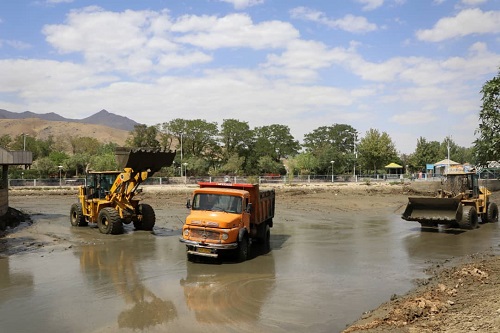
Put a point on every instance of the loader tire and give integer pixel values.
(109, 221)
(76, 216)
(148, 218)
(491, 212)
(469, 218)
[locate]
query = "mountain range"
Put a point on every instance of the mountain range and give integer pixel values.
(102, 117)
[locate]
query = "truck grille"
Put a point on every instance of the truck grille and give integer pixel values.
(205, 234)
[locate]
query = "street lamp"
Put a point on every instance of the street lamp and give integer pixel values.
(332, 169)
(355, 157)
(185, 172)
(60, 174)
(181, 154)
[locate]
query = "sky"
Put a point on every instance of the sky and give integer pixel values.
(410, 68)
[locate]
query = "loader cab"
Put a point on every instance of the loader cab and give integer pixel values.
(464, 182)
(100, 183)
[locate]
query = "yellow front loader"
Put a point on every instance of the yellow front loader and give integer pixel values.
(458, 205)
(108, 196)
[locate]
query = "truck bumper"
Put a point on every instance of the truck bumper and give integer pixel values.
(206, 249)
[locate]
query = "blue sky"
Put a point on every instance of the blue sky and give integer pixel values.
(406, 67)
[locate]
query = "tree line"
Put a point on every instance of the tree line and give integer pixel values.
(204, 148)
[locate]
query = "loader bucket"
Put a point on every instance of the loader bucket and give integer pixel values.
(432, 210)
(144, 159)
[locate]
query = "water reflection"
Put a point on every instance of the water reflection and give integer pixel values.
(10, 282)
(229, 293)
(115, 265)
(441, 243)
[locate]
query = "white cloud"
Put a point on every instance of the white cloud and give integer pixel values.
(131, 41)
(302, 59)
(350, 23)
(242, 4)
(370, 4)
(234, 30)
(414, 118)
(466, 22)
(47, 79)
(473, 2)
(16, 44)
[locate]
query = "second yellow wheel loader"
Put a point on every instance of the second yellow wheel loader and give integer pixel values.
(458, 205)
(108, 196)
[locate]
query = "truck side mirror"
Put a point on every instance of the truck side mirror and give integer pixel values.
(188, 204)
(248, 208)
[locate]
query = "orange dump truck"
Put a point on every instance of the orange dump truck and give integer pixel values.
(227, 217)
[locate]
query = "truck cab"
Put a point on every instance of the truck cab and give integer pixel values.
(227, 217)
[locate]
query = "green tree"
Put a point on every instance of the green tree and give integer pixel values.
(376, 150)
(276, 142)
(78, 163)
(84, 145)
(45, 166)
(332, 143)
(487, 146)
(143, 136)
(5, 141)
(233, 165)
(306, 163)
(235, 137)
(103, 162)
(268, 165)
(426, 152)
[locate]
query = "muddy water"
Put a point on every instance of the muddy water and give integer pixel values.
(324, 270)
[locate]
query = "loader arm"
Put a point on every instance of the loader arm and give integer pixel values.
(125, 187)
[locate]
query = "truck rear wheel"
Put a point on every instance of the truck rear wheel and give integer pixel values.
(148, 218)
(491, 212)
(469, 218)
(109, 221)
(76, 216)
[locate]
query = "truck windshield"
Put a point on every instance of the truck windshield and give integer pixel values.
(217, 202)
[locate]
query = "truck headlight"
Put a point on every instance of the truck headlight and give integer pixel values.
(186, 232)
(225, 236)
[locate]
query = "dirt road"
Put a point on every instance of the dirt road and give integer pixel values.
(337, 252)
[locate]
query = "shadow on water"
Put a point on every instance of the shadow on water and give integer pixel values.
(277, 240)
(442, 243)
(114, 266)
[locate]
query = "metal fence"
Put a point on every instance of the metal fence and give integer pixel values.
(283, 179)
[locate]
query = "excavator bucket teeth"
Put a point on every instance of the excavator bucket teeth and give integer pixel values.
(144, 159)
(432, 210)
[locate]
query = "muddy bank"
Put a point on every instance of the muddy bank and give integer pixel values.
(463, 296)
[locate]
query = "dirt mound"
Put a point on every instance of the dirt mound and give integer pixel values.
(457, 299)
(12, 219)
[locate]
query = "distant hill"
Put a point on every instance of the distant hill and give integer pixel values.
(102, 117)
(61, 131)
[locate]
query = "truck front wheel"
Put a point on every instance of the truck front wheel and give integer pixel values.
(242, 251)
(109, 221)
